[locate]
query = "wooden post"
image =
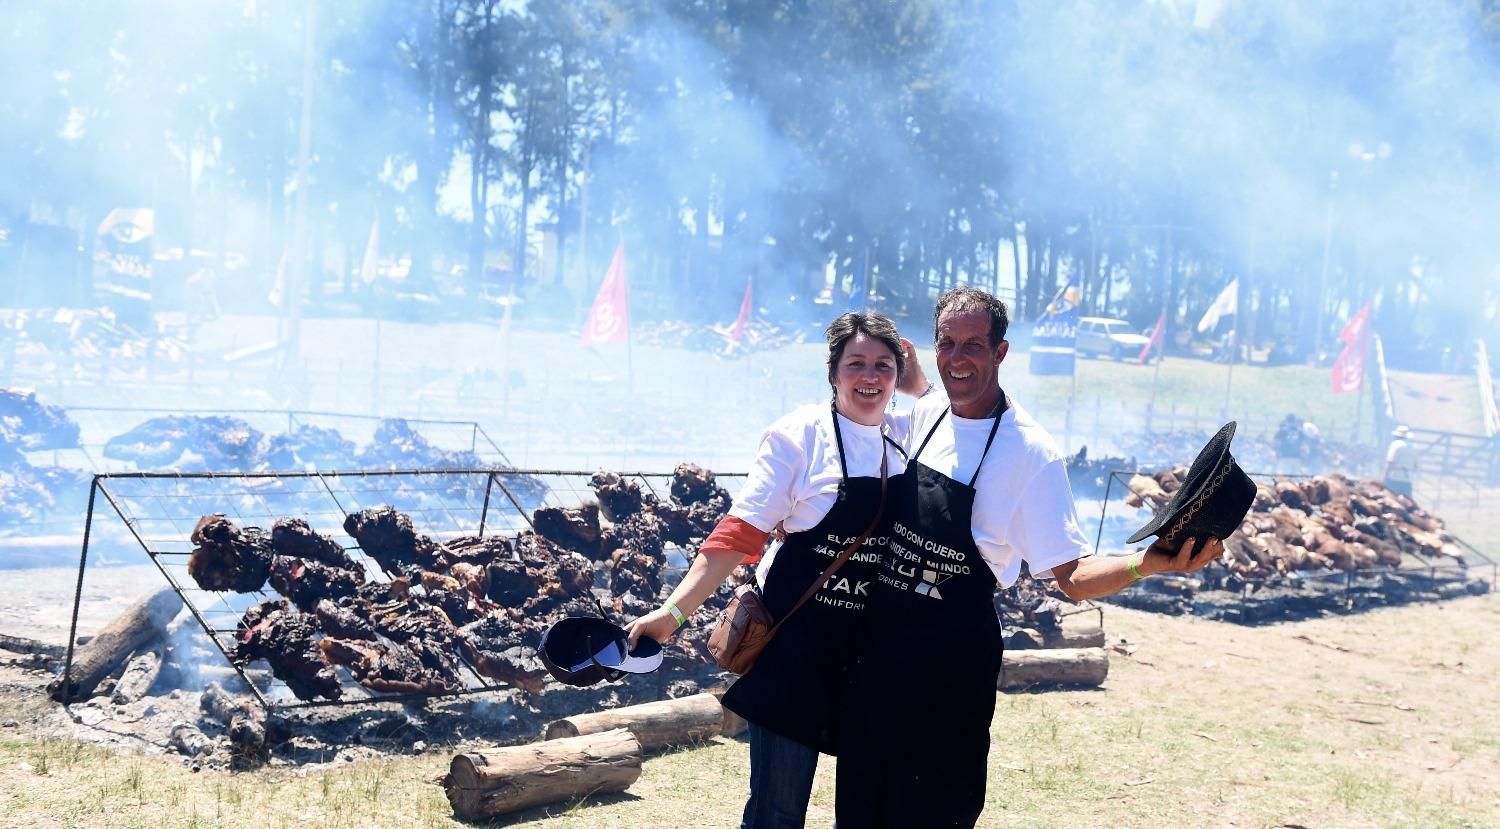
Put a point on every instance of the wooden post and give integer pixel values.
(481, 786)
(1053, 666)
(656, 724)
(143, 622)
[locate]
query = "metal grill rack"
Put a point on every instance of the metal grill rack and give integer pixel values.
(160, 510)
(98, 424)
(1306, 592)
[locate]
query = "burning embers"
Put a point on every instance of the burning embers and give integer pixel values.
(446, 608)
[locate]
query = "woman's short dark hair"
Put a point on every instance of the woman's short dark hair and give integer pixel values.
(963, 300)
(875, 326)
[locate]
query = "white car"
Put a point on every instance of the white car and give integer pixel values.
(1099, 336)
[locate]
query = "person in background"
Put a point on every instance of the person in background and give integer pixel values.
(1400, 461)
(1288, 442)
(817, 478)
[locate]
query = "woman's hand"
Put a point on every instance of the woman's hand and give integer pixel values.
(913, 380)
(1182, 559)
(658, 624)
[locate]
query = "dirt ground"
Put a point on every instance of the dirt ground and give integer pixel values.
(1380, 719)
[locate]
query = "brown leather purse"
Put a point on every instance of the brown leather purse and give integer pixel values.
(746, 627)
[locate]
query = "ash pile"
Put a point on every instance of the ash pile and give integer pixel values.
(758, 335)
(223, 443)
(1312, 546)
(84, 340)
(27, 491)
(378, 645)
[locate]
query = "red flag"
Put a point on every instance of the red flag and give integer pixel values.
(744, 317)
(1349, 368)
(609, 317)
(1161, 326)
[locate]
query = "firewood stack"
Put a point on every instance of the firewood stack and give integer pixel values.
(1326, 522)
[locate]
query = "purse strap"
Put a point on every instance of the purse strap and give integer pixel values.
(848, 551)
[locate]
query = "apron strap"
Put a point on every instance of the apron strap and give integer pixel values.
(838, 438)
(995, 427)
(930, 433)
(844, 556)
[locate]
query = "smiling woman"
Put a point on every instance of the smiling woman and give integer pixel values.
(818, 477)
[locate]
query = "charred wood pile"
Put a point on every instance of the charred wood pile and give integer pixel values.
(1089, 477)
(88, 337)
(1312, 545)
(28, 492)
(758, 335)
(1049, 640)
(1253, 452)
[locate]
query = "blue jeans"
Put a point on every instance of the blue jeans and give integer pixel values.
(781, 777)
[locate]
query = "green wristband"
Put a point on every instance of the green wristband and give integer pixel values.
(676, 614)
(1134, 565)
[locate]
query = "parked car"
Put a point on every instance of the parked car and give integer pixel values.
(1100, 336)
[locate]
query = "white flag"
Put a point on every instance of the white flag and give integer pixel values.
(1225, 306)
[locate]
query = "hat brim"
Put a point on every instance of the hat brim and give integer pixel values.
(1210, 457)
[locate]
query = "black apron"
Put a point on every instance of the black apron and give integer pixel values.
(916, 732)
(795, 685)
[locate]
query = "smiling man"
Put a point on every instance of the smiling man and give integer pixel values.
(984, 490)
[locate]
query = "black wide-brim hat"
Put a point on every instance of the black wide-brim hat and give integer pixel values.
(583, 650)
(1213, 499)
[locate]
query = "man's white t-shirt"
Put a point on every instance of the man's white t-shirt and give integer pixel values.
(794, 480)
(1023, 505)
(1400, 459)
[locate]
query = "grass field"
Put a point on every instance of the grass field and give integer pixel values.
(1383, 719)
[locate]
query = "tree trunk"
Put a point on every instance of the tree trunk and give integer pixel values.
(143, 622)
(479, 195)
(482, 786)
(655, 724)
(1053, 666)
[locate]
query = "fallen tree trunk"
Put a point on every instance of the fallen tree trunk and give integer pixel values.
(1081, 630)
(1053, 666)
(655, 724)
(481, 786)
(139, 675)
(20, 644)
(142, 623)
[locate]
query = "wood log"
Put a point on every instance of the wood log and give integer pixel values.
(246, 727)
(142, 623)
(20, 644)
(1080, 630)
(139, 675)
(189, 741)
(1053, 666)
(656, 725)
(251, 730)
(481, 786)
